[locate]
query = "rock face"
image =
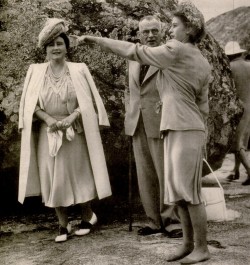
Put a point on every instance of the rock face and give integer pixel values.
(20, 24)
(232, 26)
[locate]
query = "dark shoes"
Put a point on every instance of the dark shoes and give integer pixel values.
(233, 177)
(176, 233)
(146, 231)
(246, 182)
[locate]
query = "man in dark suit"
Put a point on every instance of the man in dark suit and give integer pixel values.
(241, 75)
(142, 122)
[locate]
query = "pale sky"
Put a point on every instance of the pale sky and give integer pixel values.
(213, 8)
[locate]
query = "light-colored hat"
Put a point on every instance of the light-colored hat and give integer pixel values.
(52, 29)
(233, 47)
(192, 13)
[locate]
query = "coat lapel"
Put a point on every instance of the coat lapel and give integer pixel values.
(151, 70)
(36, 82)
(134, 71)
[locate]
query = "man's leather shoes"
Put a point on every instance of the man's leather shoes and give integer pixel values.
(233, 177)
(176, 233)
(246, 182)
(146, 231)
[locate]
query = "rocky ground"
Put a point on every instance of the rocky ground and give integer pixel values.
(29, 240)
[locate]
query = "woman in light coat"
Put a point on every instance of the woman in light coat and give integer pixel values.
(62, 155)
(183, 87)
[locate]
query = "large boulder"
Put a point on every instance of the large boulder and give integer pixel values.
(232, 26)
(21, 22)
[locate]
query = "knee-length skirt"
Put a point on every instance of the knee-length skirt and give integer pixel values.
(183, 160)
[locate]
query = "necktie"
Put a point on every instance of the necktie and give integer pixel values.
(143, 72)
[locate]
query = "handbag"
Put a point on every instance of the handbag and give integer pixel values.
(214, 200)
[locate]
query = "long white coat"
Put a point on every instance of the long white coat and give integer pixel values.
(86, 91)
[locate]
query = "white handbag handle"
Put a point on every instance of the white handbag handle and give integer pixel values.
(213, 173)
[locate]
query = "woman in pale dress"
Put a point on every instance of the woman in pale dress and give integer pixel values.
(183, 88)
(65, 162)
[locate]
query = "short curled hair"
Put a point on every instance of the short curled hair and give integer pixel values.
(197, 33)
(65, 38)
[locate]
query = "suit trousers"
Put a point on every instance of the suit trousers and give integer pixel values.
(149, 159)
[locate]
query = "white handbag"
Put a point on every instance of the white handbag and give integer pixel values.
(214, 200)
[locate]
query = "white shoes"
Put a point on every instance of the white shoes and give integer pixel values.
(85, 227)
(63, 233)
